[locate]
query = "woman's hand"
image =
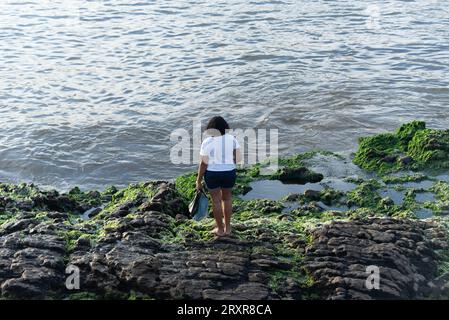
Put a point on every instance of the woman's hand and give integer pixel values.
(201, 170)
(199, 185)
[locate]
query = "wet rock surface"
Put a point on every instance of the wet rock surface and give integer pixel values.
(133, 250)
(342, 254)
(300, 175)
(135, 260)
(411, 146)
(132, 255)
(317, 243)
(31, 259)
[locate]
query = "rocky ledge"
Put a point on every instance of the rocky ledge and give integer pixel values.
(145, 249)
(141, 249)
(354, 236)
(402, 251)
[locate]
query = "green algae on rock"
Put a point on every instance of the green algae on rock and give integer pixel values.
(365, 195)
(327, 195)
(416, 177)
(430, 146)
(440, 205)
(299, 175)
(185, 185)
(411, 146)
(141, 191)
(142, 245)
(262, 206)
(291, 170)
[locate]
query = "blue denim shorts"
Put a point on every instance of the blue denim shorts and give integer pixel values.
(220, 179)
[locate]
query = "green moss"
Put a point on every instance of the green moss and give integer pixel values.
(108, 226)
(430, 147)
(278, 278)
(417, 177)
(441, 203)
(378, 153)
(278, 230)
(71, 236)
(41, 216)
(404, 214)
(297, 160)
(84, 296)
(283, 237)
(409, 198)
(385, 152)
(19, 192)
(441, 189)
(138, 296)
(190, 230)
(288, 253)
(244, 177)
(186, 185)
(407, 131)
(92, 198)
(365, 195)
(246, 214)
(354, 180)
(143, 191)
(361, 213)
(330, 196)
(293, 169)
(5, 217)
(443, 266)
(443, 254)
(260, 207)
(311, 210)
(299, 175)
(109, 191)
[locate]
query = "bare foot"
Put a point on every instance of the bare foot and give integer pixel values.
(227, 231)
(218, 232)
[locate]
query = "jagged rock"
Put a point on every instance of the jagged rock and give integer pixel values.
(17, 287)
(312, 194)
(389, 158)
(341, 252)
(17, 225)
(247, 291)
(57, 215)
(55, 202)
(300, 175)
(219, 269)
(405, 160)
(82, 242)
(135, 248)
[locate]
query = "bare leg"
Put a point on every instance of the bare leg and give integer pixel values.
(218, 211)
(226, 196)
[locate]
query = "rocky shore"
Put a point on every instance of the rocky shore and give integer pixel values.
(387, 213)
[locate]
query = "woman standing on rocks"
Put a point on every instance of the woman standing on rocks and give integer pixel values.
(219, 153)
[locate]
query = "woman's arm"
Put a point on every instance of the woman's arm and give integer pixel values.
(201, 169)
(237, 156)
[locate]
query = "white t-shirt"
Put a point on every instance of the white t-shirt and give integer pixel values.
(220, 151)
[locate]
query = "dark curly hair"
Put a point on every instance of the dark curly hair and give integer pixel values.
(218, 123)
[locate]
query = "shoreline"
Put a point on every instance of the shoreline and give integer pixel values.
(313, 243)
